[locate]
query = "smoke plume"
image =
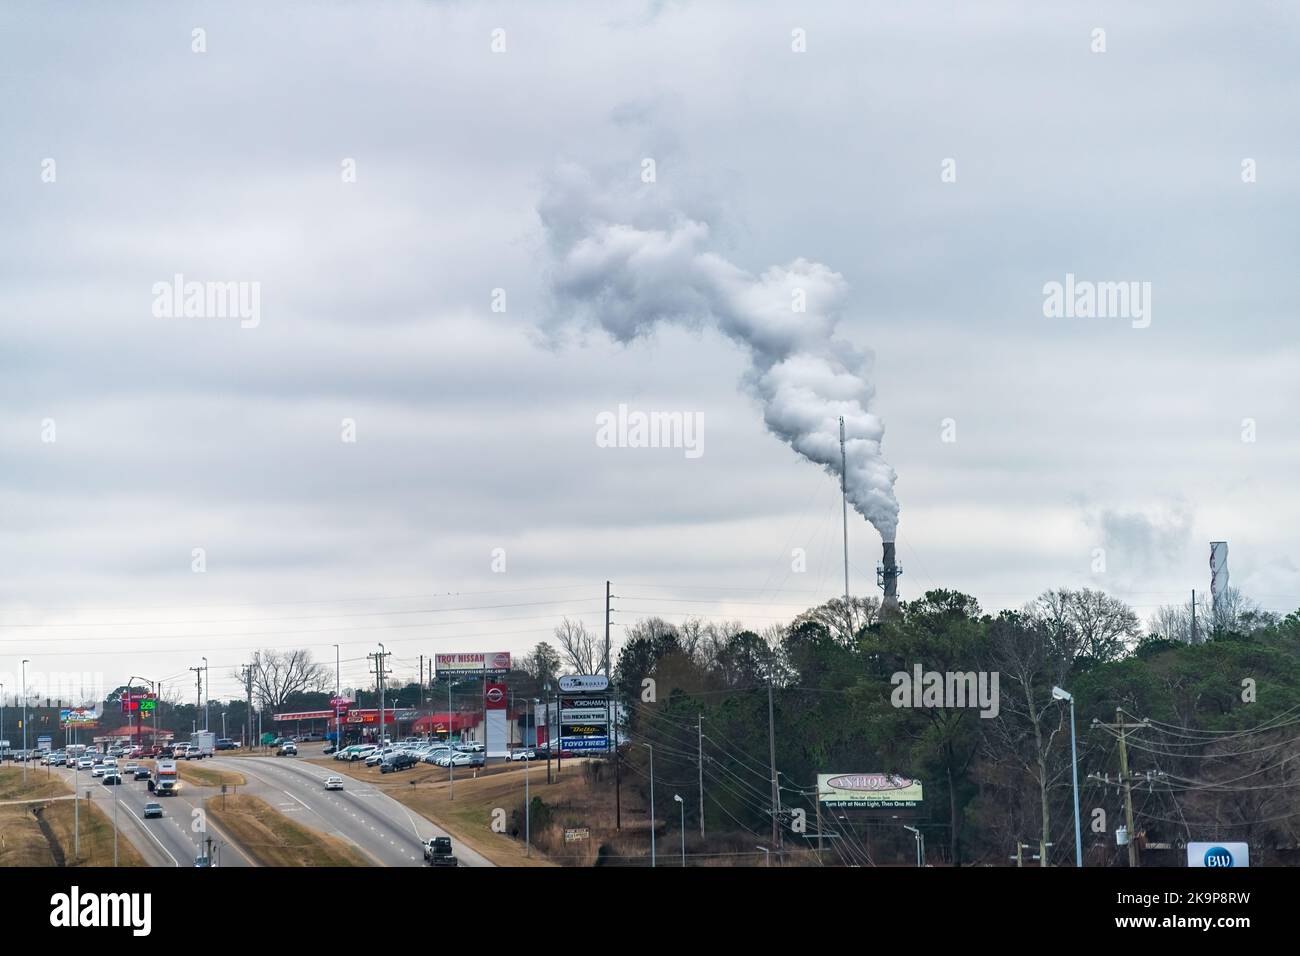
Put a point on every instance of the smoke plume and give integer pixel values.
(627, 266)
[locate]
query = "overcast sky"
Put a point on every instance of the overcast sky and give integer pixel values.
(474, 432)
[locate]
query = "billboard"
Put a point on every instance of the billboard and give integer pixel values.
(477, 662)
(868, 791)
(79, 716)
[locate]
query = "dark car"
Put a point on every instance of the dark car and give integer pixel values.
(141, 773)
(225, 744)
(152, 810)
(399, 761)
(111, 779)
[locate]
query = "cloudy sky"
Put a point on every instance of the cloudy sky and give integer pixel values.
(379, 170)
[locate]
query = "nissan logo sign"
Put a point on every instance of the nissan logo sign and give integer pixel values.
(496, 695)
(584, 682)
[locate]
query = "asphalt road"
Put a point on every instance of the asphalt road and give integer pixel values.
(381, 828)
(169, 841)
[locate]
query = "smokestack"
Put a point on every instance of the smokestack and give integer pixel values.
(889, 572)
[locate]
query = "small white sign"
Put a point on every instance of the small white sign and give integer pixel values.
(577, 683)
(1218, 856)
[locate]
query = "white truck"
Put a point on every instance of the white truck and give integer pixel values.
(202, 744)
(165, 781)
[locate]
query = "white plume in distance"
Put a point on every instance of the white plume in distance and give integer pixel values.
(628, 266)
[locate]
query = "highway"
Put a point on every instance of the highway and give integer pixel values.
(169, 841)
(381, 828)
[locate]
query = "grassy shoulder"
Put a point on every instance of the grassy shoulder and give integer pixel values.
(43, 833)
(272, 839)
(96, 835)
(40, 784)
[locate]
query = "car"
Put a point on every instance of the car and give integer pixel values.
(523, 753)
(328, 749)
(398, 761)
(287, 749)
(225, 743)
(131, 767)
(334, 783)
(111, 778)
(152, 810)
(99, 770)
(142, 773)
(361, 753)
(378, 756)
(85, 763)
(202, 861)
(436, 845)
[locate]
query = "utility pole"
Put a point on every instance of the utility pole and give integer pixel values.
(207, 704)
(25, 755)
(1123, 729)
(699, 731)
(379, 678)
(608, 711)
(844, 508)
(248, 691)
(421, 682)
(338, 692)
(771, 753)
(618, 774)
(1193, 640)
(198, 691)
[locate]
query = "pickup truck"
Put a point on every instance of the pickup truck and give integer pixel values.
(437, 852)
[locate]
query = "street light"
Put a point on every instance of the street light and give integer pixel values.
(678, 798)
(1060, 694)
(652, 802)
(920, 843)
(768, 852)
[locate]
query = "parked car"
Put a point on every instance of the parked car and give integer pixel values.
(398, 761)
(523, 753)
(377, 756)
(152, 810)
(361, 753)
(226, 743)
(333, 783)
(287, 749)
(328, 749)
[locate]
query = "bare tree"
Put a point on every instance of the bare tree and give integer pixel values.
(843, 619)
(579, 647)
(1087, 623)
(1233, 612)
(1031, 657)
(278, 675)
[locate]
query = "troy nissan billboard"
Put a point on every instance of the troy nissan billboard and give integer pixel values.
(497, 662)
(868, 790)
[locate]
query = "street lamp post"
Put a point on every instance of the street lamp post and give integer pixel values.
(767, 852)
(1060, 694)
(920, 842)
(678, 798)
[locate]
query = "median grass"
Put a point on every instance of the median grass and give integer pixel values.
(272, 839)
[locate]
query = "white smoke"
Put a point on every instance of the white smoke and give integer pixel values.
(628, 266)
